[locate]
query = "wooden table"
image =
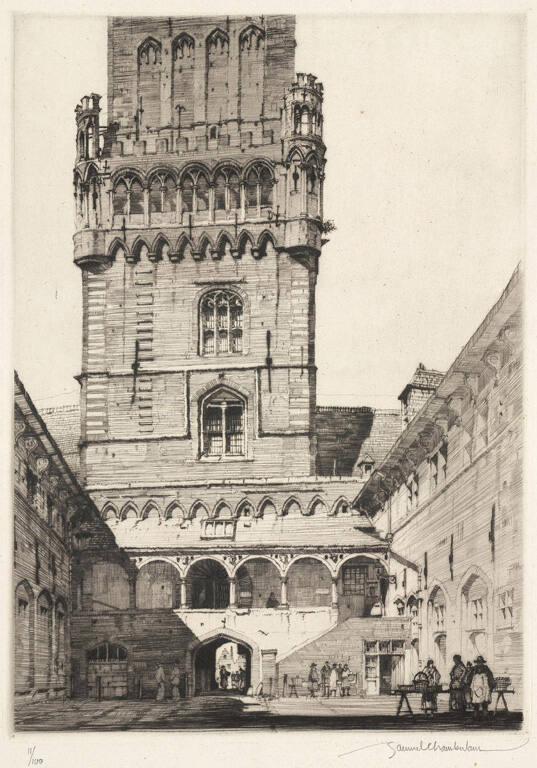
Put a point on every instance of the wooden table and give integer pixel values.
(403, 698)
(500, 696)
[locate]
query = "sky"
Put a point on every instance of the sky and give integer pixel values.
(424, 181)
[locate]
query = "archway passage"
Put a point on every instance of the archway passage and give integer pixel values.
(222, 666)
(258, 584)
(208, 583)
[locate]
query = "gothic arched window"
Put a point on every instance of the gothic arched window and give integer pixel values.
(195, 192)
(223, 424)
(162, 194)
(227, 196)
(221, 315)
(258, 188)
(128, 198)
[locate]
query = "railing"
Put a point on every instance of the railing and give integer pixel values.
(218, 528)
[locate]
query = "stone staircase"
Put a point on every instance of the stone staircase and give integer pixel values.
(343, 643)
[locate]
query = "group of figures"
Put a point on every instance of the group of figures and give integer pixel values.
(235, 680)
(161, 680)
(470, 686)
(333, 680)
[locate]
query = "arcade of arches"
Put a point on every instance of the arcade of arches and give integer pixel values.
(359, 589)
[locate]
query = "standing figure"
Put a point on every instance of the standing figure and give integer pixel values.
(242, 680)
(313, 680)
(467, 691)
(332, 683)
(160, 677)
(325, 679)
(457, 685)
(224, 674)
(481, 682)
(346, 680)
(175, 680)
(429, 697)
(339, 679)
(272, 601)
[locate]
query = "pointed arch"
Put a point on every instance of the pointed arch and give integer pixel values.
(217, 42)
(150, 509)
(223, 241)
(316, 506)
(91, 171)
(251, 37)
(289, 504)
(263, 241)
(246, 243)
(183, 46)
(161, 246)
(150, 51)
(245, 508)
(109, 511)
(198, 510)
(205, 241)
(295, 156)
(117, 246)
(139, 248)
(340, 506)
(222, 509)
(174, 510)
(129, 511)
(266, 507)
(184, 246)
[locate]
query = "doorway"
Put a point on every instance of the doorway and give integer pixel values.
(222, 666)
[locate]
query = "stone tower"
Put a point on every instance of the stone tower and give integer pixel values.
(198, 233)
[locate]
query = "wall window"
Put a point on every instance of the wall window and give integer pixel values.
(227, 195)
(258, 188)
(162, 195)
(128, 197)
(221, 315)
(354, 577)
(223, 424)
(195, 192)
(505, 608)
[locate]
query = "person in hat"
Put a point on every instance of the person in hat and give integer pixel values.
(313, 680)
(325, 679)
(332, 681)
(429, 697)
(457, 693)
(175, 680)
(481, 683)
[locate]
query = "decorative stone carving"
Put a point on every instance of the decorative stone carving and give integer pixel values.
(63, 495)
(42, 465)
(19, 427)
(184, 560)
(53, 481)
(30, 443)
(283, 560)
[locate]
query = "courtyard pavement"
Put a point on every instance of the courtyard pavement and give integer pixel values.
(225, 712)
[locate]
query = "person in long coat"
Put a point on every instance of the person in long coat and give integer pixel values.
(346, 680)
(457, 685)
(325, 679)
(224, 675)
(160, 677)
(313, 680)
(175, 680)
(332, 681)
(429, 697)
(481, 683)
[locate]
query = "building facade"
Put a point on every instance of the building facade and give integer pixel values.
(448, 495)
(48, 504)
(199, 225)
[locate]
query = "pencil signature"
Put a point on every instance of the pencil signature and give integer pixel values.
(396, 747)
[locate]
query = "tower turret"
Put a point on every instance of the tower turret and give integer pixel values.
(303, 150)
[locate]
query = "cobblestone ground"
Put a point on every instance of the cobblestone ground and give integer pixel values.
(210, 712)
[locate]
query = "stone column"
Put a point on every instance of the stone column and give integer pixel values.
(132, 592)
(183, 594)
(232, 593)
(283, 597)
(335, 596)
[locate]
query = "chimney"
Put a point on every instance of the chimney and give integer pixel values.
(421, 386)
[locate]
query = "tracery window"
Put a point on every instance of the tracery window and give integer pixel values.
(258, 188)
(162, 194)
(223, 425)
(227, 195)
(221, 321)
(128, 198)
(195, 192)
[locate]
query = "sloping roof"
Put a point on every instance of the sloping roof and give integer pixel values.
(508, 308)
(63, 423)
(385, 430)
(423, 378)
(346, 435)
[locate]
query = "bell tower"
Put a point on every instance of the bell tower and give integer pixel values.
(198, 214)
